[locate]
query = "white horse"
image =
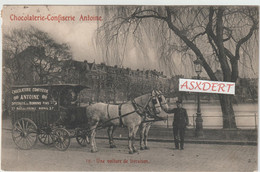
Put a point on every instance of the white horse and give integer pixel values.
(149, 120)
(129, 114)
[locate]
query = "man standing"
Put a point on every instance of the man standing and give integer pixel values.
(179, 124)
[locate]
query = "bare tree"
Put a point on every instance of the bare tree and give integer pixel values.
(215, 35)
(17, 40)
(43, 53)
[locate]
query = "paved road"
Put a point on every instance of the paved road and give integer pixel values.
(161, 156)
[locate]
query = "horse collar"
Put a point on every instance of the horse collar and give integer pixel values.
(137, 107)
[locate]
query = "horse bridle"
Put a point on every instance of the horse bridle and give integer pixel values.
(141, 110)
(160, 99)
(159, 96)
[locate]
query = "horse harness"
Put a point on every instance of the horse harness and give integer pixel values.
(140, 110)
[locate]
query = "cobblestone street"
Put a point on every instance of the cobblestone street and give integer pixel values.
(161, 156)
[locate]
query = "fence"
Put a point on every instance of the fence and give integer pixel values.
(243, 121)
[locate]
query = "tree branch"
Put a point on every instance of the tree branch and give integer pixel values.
(246, 38)
(210, 25)
(190, 44)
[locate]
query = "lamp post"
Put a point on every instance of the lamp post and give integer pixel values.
(199, 120)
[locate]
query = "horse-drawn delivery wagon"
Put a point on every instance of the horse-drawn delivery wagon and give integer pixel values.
(47, 113)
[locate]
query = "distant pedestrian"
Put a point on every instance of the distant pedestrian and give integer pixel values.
(179, 124)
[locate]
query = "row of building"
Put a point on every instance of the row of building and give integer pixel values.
(99, 70)
(33, 67)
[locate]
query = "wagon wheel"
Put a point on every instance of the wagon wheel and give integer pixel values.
(24, 133)
(61, 139)
(46, 136)
(82, 137)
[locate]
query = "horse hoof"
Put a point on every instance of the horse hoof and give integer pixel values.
(146, 147)
(112, 146)
(141, 148)
(93, 151)
(131, 152)
(135, 151)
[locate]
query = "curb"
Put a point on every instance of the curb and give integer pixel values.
(221, 142)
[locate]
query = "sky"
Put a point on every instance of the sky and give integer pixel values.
(80, 35)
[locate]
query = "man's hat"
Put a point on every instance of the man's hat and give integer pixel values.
(179, 101)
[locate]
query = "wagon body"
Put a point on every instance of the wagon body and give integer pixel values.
(43, 107)
(43, 103)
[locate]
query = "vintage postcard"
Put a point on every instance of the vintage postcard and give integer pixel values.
(130, 88)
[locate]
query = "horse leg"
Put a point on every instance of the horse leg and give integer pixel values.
(95, 145)
(109, 129)
(147, 128)
(142, 129)
(110, 132)
(92, 138)
(130, 136)
(133, 138)
(112, 140)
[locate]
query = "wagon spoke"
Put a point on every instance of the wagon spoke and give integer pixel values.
(24, 133)
(20, 130)
(23, 124)
(20, 127)
(20, 139)
(40, 136)
(63, 140)
(26, 126)
(83, 141)
(16, 136)
(48, 139)
(23, 142)
(28, 141)
(32, 130)
(81, 138)
(28, 144)
(32, 137)
(31, 141)
(62, 145)
(45, 137)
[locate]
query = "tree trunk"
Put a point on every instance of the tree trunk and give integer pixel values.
(229, 120)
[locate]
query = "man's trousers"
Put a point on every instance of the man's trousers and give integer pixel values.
(178, 134)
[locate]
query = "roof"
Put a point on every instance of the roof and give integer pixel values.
(54, 86)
